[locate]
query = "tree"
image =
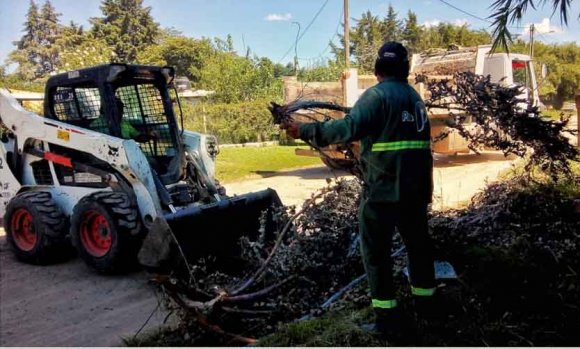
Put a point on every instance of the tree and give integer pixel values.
(226, 45)
(87, 51)
(126, 26)
(27, 50)
(239, 79)
(321, 72)
(283, 70)
(507, 12)
(188, 56)
(36, 53)
(79, 49)
(367, 38)
(70, 35)
(411, 33)
(49, 32)
(391, 26)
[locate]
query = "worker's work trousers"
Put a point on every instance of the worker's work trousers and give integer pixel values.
(377, 224)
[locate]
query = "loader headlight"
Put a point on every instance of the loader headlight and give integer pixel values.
(211, 146)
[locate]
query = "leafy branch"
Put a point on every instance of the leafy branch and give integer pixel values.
(502, 119)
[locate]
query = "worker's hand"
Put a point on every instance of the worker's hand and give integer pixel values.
(154, 135)
(146, 137)
(292, 129)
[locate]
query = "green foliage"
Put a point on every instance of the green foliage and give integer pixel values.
(126, 26)
(370, 32)
(232, 122)
(507, 12)
(367, 37)
(187, 55)
(412, 33)
(84, 52)
(238, 79)
(283, 70)
(338, 329)
(13, 81)
(322, 72)
(391, 25)
(27, 53)
(216, 66)
(446, 34)
(49, 32)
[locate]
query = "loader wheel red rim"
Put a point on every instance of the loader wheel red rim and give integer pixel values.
(96, 234)
(23, 230)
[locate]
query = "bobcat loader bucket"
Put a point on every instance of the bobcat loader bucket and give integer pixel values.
(208, 230)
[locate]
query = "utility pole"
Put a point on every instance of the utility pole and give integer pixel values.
(296, 50)
(532, 28)
(346, 36)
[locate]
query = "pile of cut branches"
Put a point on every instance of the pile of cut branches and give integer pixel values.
(503, 120)
(512, 212)
(531, 227)
(313, 255)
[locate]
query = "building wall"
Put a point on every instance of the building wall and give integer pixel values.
(320, 91)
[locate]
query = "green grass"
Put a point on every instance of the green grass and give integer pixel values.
(334, 329)
(555, 114)
(238, 163)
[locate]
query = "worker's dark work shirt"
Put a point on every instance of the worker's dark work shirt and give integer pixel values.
(391, 122)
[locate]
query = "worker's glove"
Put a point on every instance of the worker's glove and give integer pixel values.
(292, 128)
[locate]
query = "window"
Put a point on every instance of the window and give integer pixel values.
(74, 104)
(143, 109)
(521, 73)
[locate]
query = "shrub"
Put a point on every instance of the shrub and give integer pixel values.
(233, 122)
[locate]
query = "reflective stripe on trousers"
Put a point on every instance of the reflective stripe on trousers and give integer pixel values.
(418, 291)
(386, 304)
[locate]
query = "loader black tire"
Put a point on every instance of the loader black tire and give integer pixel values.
(106, 231)
(36, 229)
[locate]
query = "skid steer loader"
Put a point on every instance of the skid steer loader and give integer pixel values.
(109, 169)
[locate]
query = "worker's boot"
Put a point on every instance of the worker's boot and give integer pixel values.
(388, 324)
(429, 307)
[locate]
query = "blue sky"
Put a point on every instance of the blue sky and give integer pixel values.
(266, 26)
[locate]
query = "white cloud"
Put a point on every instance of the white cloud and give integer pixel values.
(431, 23)
(544, 27)
(435, 22)
(272, 17)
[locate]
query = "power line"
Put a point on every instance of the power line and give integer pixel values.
(474, 16)
(465, 12)
(305, 30)
(336, 33)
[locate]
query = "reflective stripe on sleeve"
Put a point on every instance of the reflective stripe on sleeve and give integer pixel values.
(401, 145)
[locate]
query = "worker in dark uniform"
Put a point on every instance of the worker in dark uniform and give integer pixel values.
(391, 123)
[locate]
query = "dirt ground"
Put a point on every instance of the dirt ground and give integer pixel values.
(456, 179)
(69, 305)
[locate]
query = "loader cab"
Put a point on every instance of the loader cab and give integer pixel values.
(120, 100)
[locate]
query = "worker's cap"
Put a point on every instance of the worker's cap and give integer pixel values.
(393, 51)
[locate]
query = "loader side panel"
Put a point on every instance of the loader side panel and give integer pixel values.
(205, 147)
(9, 184)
